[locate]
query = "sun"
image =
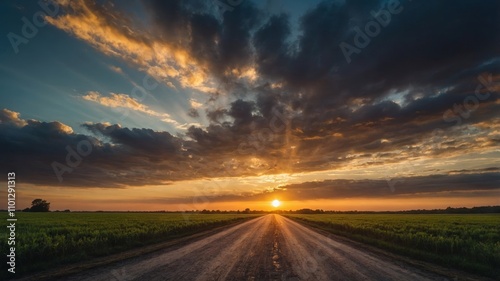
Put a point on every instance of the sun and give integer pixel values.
(276, 203)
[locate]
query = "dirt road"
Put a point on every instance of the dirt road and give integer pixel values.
(267, 248)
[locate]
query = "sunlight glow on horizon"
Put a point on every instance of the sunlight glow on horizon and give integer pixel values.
(276, 203)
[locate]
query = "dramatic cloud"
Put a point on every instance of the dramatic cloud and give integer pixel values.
(111, 32)
(408, 186)
(282, 99)
(52, 154)
(470, 185)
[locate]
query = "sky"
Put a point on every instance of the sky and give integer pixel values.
(191, 105)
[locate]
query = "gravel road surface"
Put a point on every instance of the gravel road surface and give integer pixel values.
(271, 247)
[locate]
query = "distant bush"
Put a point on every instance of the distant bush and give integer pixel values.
(39, 205)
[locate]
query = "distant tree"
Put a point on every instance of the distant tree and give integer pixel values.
(39, 205)
(26, 210)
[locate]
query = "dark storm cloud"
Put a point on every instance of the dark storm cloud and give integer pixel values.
(426, 50)
(427, 43)
(50, 153)
(216, 115)
(470, 185)
(241, 111)
(409, 186)
(308, 109)
(271, 46)
(221, 41)
(141, 140)
(29, 147)
(473, 171)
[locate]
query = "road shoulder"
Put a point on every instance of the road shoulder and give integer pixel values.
(66, 270)
(451, 274)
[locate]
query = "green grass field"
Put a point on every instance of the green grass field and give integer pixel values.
(470, 242)
(44, 240)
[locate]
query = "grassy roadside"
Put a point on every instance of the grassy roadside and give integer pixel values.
(464, 242)
(48, 241)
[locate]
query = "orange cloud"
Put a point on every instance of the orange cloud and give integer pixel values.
(112, 34)
(125, 101)
(195, 104)
(8, 116)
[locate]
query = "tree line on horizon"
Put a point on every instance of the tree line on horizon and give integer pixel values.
(448, 210)
(40, 205)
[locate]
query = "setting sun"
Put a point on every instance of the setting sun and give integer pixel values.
(276, 203)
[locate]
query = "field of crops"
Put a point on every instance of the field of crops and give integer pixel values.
(470, 242)
(48, 239)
